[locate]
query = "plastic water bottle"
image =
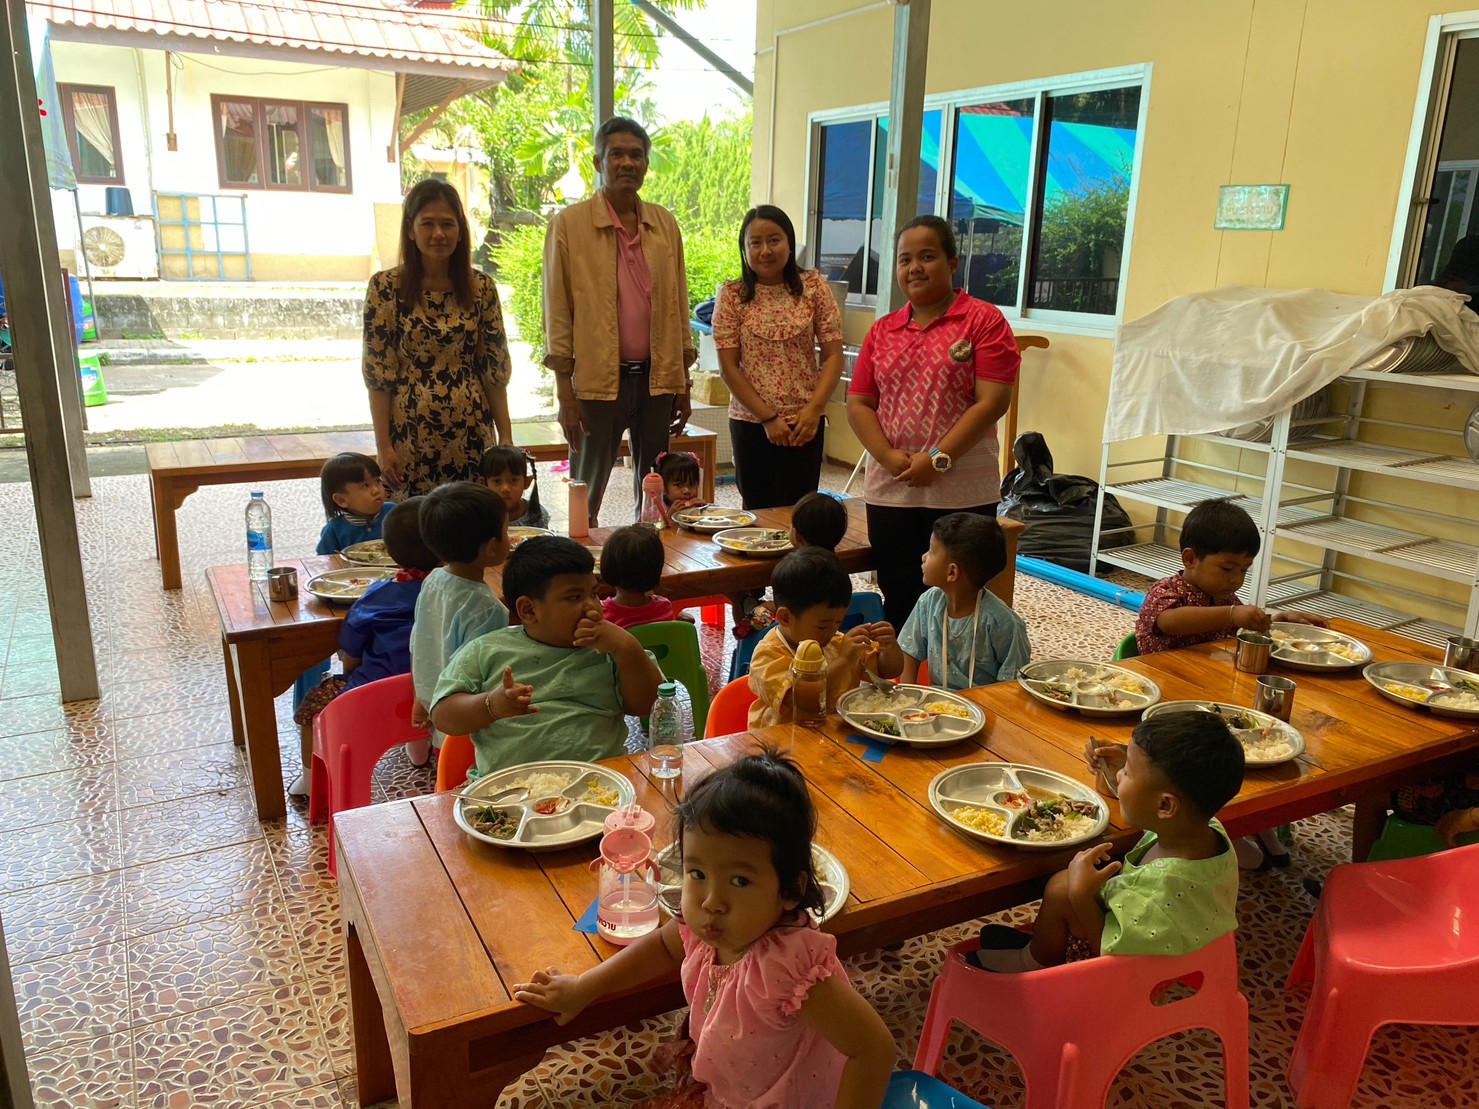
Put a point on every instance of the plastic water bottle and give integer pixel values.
(667, 728)
(259, 538)
(652, 513)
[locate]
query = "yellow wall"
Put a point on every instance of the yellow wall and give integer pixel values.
(1317, 94)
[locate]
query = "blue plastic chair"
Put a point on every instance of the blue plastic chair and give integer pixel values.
(912, 1089)
(866, 608)
(674, 644)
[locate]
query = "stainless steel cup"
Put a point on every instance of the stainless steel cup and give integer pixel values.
(1461, 653)
(1275, 696)
(1254, 649)
(282, 583)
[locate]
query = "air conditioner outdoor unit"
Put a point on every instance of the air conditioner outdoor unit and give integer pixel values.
(120, 246)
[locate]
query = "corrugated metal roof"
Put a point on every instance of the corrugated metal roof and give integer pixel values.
(393, 31)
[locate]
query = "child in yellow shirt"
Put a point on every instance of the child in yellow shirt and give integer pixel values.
(812, 594)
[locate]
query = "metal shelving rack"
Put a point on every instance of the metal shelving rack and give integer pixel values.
(1319, 516)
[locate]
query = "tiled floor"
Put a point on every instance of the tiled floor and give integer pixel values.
(170, 951)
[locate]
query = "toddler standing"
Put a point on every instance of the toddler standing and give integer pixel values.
(1177, 889)
(773, 1019)
(509, 472)
(967, 633)
(464, 524)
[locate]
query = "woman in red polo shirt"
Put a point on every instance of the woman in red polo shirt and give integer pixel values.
(930, 383)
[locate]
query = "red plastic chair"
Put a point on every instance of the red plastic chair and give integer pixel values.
(1391, 943)
(1069, 1052)
(454, 760)
(713, 608)
(349, 736)
(729, 711)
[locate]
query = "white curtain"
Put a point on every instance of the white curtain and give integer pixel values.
(333, 132)
(90, 113)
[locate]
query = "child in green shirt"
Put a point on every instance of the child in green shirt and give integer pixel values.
(1177, 889)
(559, 685)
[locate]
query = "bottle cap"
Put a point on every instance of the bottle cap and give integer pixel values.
(668, 689)
(256, 492)
(625, 849)
(809, 657)
(631, 816)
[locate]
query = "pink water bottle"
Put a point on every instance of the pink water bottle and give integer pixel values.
(580, 510)
(653, 514)
(626, 905)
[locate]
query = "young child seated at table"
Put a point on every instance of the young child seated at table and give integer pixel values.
(966, 632)
(354, 512)
(631, 563)
(557, 685)
(682, 483)
(465, 524)
(817, 520)
(1177, 889)
(773, 1018)
(354, 502)
(1218, 544)
(509, 472)
(375, 638)
(812, 593)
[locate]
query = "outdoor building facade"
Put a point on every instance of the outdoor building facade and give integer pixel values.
(270, 133)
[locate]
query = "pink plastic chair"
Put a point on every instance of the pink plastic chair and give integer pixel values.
(349, 736)
(1392, 942)
(1069, 1051)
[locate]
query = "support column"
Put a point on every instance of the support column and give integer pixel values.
(28, 253)
(905, 125)
(603, 68)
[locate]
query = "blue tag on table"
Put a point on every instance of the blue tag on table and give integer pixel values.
(587, 921)
(877, 748)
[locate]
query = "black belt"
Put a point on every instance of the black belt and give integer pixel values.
(640, 366)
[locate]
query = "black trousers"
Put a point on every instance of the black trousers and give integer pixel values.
(899, 538)
(770, 476)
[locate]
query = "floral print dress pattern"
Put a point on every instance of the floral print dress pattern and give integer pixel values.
(438, 363)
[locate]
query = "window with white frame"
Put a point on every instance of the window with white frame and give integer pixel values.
(1036, 181)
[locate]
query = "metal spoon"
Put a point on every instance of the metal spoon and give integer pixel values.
(883, 685)
(518, 793)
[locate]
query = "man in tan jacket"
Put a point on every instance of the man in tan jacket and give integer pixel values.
(616, 317)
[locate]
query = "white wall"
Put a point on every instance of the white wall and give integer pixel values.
(304, 223)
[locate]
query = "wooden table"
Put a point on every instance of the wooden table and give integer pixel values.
(434, 1023)
(178, 469)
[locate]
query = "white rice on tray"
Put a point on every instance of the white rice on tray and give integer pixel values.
(874, 700)
(1264, 743)
(1468, 702)
(541, 783)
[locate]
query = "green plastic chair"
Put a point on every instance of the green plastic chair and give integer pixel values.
(1402, 839)
(674, 644)
(1128, 648)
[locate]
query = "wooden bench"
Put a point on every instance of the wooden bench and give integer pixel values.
(178, 469)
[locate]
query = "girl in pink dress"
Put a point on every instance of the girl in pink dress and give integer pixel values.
(774, 1020)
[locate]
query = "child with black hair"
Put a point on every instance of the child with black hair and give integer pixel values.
(812, 595)
(818, 520)
(354, 502)
(375, 638)
(969, 635)
(631, 563)
(773, 1018)
(682, 482)
(509, 472)
(557, 685)
(465, 524)
(1177, 889)
(1219, 542)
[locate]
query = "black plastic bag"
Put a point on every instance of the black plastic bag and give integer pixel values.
(1057, 509)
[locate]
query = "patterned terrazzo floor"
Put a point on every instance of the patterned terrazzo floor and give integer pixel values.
(169, 950)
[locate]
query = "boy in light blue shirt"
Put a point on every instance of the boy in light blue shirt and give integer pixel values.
(968, 634)
(560, 685)
(466, 525)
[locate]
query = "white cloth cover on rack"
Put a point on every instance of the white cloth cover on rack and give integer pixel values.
(1213, 360)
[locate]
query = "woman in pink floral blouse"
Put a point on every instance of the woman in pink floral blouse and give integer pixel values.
(767, 327)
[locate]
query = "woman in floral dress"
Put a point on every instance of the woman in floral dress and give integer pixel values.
(767, 326)
(436, 358)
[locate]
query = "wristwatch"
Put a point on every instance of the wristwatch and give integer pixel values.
(940, 460)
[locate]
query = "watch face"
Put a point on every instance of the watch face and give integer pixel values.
(941, 462)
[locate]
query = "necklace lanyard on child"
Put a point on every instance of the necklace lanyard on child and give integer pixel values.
(970, 675)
